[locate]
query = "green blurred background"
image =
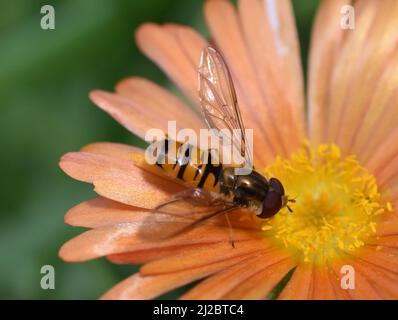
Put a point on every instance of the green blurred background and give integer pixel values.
(45, 77)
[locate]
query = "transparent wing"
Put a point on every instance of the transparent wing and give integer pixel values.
(181, 213)
(219, 103)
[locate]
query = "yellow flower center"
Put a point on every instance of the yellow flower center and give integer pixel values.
(337, 204)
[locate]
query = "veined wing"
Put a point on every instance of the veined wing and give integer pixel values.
(219, 103)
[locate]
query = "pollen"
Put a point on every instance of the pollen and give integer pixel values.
(337, 204)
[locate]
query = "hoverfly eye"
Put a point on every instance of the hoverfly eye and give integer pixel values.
(271, 205)
(277, 186)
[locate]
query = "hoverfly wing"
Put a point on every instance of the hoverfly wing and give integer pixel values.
(219, 103)
(181, 213)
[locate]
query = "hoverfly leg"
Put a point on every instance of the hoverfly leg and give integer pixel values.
(164, 204)
(196, 197)
(231, 231)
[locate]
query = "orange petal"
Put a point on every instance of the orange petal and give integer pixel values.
(388, 241)
(370, 56)
(383, 282)
(216, 287)
(138, 114)
(322, 287)
(100, 212)
(139, 287)
(300, 285)
(325, 49)
(118, 179)
(362, 290)
(144, 256)
(156, 102)
(393, 195)
(376, 105)
(376, 138)
(388, 227)
(261, 284)
(388, 175)
(125, 237)
(253, 279)
(223, 19)
(176, 50)
(386, 260)
(202, 256)
(270, 33)
(385, 153)
(344, 70)
(116, 150)
(335, 280)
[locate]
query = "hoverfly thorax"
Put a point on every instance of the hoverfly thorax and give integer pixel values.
(254, 191)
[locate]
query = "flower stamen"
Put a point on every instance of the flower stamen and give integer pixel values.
(337, 204)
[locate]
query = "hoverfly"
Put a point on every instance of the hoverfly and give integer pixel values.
(215, 187)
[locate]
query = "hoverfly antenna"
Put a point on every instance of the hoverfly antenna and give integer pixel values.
(287, 200)
(292, 200)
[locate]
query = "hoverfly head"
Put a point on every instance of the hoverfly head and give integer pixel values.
(275, 199)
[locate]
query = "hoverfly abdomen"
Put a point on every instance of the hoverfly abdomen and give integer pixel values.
(189, 164)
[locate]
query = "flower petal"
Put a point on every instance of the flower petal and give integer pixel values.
(393, 196)
(390, 241)
(101, 212)
(378, 134)
(384, 154)
(322, 287)
(359, 73)
(335, 279)
(138, 111)
(116, 150)
(325, 45)
(383, 282)
(362, 290)
(202, 256)
(223, 20)
(378, 55)
(387, 175)
(151, 254)
(346, 67)
(261, 284)
(300, 285)
(386, 260)
(125, 237)
(388, 227)
(158, 102)
(218, 286)
(176, 50)
(117, 179)
(139, 287)
(253, 279)
(270, 32)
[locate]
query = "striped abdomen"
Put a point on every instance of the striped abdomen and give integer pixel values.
(177, 162)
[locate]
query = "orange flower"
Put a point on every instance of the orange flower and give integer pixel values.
(345, 178)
